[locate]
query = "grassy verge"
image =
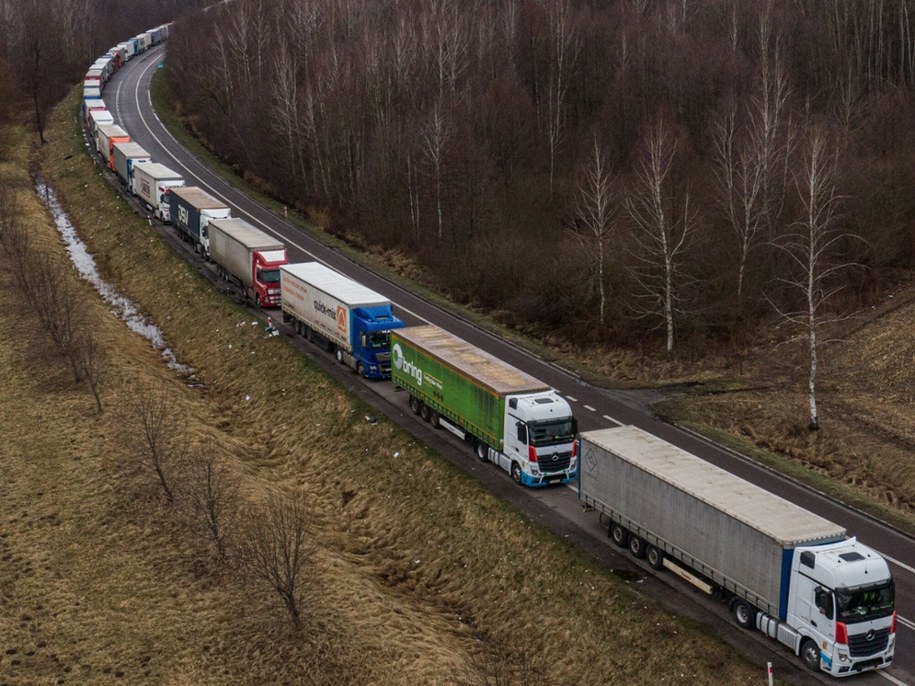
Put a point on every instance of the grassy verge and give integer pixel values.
(416, 575)
(692, 414)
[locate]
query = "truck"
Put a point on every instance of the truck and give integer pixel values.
(91, 105)
(93, 78)
(125, 157)
(510, 418)
(247, 256)
(192, 209)
(152, 183)
(784, 570)
(347, 318)
(106, 135)
(98, 118)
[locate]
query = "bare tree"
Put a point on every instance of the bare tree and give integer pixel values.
(156, 423)
(812, 247)
(663, 225)
(563, 52)
(447, 43)
(435, 137)
(498, 665)
(595, 218)
(89, 359)
(276, 548)
(56, 299)
(284, 115)
(749, 163)
(212, 494)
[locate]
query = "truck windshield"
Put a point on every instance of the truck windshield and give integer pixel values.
(269, 275)
(553, 432)
(865, 602)
(380, 340)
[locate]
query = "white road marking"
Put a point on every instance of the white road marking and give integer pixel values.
(588, 407)
(891, 678)
(571, 399)
(611, 419)
(896, 562)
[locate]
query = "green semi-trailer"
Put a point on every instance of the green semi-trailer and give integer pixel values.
(509, 417)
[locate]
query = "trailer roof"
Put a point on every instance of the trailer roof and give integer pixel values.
(160, 171)
(198, 198)
(131, 149)
(112, 130)
(335, 284)
(468, 360)
(780, 519)
(248, 235)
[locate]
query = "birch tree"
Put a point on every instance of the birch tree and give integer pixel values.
(662, 226)
(749, 160)
(812, 247)
(595, 218)
(435, 135)
(563, 51)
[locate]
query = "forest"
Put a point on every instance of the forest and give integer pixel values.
(47, 45)
(665, 175)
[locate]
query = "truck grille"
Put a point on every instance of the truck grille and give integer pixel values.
(873, 641)
(384, 357)
(554, 462)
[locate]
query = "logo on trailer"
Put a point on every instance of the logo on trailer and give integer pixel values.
(183, 216)
(404, 365)
(341, 319)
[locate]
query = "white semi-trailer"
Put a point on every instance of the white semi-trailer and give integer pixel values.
(349, 319)
(152, 183)
(248, 257)
(126, 156)
(785, 571)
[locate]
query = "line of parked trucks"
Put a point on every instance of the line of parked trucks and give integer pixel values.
(784, 571)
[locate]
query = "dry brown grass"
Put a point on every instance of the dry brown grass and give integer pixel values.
(866, 387)
(416, 567)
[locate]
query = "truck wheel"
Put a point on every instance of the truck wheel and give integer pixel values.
(424, 412)
(655, 557)
(482, 450)
(810, 655)
(636, 547)
(339, 355)
(433, 419)
(360, 371)
(415, 404)
(516, 472)
(257, 299)
(744, 615)
(619, 535)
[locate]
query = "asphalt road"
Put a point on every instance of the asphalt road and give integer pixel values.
(127, 96)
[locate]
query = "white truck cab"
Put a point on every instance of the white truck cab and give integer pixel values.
(539, 439)
(842, 604)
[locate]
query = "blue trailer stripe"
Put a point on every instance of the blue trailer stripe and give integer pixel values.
(787, 558)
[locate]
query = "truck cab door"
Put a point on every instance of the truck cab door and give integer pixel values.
(516, 439)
